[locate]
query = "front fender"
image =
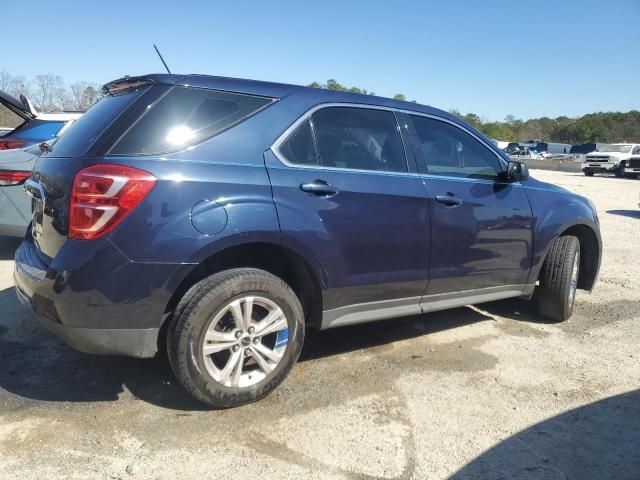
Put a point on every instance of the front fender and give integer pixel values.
(555, 212)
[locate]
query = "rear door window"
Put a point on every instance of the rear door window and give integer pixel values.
(185, 116)
(359, 138)
(299, 147)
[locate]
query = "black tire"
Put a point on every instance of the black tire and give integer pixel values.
(185, 334)
(556, 295)
(588, 173)
(620, 171)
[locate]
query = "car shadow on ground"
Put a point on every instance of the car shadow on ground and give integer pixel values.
(516, 309)
(599, 440)
(626, 213)
(38, 366)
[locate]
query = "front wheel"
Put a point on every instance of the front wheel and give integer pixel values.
(588, 173)
(235, 336)
(559, 279)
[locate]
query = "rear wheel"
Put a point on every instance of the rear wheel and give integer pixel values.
(559, 279)
(235, 337)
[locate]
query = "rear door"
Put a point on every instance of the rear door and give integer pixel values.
(481, 240)
(347, 198)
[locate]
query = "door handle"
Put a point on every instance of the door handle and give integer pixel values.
(320, 188)
(449, 200)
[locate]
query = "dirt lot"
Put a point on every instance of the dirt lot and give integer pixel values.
(482, 392)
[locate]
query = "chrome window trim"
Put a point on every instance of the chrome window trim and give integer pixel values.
(275, 147)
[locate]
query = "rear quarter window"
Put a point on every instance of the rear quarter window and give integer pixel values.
(185, 116)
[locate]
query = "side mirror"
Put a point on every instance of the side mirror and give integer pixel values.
(515, 172)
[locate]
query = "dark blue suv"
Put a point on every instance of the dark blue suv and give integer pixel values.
(227, 216)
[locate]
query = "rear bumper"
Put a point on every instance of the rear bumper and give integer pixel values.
(102, 303)
(141, 343)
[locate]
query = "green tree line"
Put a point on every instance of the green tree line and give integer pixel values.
(601, 127)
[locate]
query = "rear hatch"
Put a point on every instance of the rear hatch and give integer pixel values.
(21, 107)
(138, 117)
(83, 144)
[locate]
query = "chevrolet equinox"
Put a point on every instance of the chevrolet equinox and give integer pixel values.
(223, 217)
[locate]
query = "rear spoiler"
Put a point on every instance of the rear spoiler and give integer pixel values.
(124, 84)
(128, 83)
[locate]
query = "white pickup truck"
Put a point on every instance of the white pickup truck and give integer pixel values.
(612, 158)
(632, 167)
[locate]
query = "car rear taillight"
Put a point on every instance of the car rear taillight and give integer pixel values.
(103, 195)
(10, 144)
(9, 178)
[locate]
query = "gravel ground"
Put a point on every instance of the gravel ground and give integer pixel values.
(491, 391)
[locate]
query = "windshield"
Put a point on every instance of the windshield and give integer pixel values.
(615, 148)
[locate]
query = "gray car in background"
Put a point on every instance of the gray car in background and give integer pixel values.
(15, 205)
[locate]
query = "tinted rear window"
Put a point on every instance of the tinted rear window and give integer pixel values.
(84, 131)
(185, 116)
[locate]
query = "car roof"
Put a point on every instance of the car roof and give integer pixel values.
(282, 90)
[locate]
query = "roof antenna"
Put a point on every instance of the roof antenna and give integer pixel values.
(160, 55)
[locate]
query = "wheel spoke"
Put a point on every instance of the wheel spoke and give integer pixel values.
(216, 336)
(237, 372)
(211, 348)
(248, 312)
(261, 361)
(238, 317)
(228, 369)
(272, 323)
(275, 357)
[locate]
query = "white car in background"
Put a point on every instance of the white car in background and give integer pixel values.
(15, 168)
(612, 158)
(34, 127)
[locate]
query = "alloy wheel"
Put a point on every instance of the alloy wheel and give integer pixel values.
(245, 341)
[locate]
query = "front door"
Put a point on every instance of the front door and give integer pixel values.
(481, 240)
(347, 199)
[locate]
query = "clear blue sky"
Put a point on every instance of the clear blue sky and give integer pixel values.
(493, 58)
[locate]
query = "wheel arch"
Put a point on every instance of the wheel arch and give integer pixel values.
(589, 254)
(281, 261)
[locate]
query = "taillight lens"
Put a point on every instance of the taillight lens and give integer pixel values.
(9, 178)
(10, 144)
(103, 195)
